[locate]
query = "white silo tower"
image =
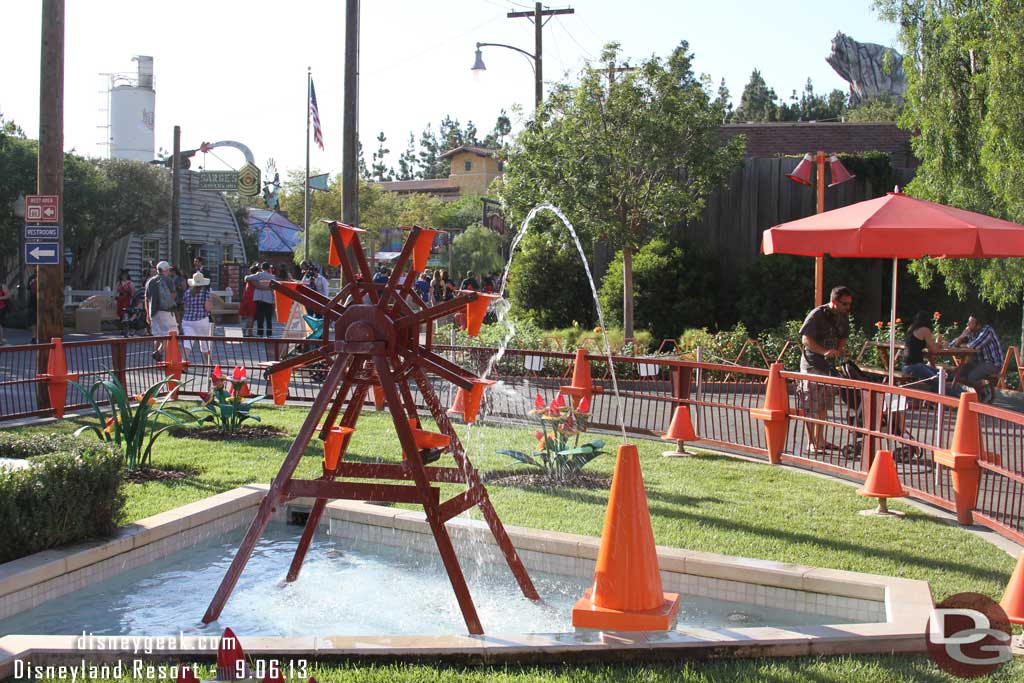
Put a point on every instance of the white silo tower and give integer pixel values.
(133, 114)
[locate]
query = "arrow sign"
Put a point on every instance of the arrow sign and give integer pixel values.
(41, 208)
(42, 254)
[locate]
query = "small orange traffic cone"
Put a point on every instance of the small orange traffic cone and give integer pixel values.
(467, 404)
(173, 365)
(1013, 599)
(627, 593)
(882, 483)
(476, 310)
(337, 439)
(774, 413)
(283, 303)
(962, 458)
(279, 385)
(378, 397)
(421, 250)
(680, 431)
(582, 386)
(57, 377)
(231, 665)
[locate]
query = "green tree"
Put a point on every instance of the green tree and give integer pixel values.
(546, 282)
(965, 85)
(428, 155)
(478, 249)
(407, 162)
(886, 108)
(724, 101)
(502, 127)
(380, 170)
(624, 160)
(675, 289)
(458, 215)
(757, 102)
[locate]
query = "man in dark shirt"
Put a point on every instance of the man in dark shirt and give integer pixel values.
(823, 335)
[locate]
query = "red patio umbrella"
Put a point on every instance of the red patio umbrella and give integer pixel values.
(896, 226)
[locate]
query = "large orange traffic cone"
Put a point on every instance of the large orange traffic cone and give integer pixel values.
(421, 250)
(57, 377)
(173, 365)
(1013, 599)
(883, 482)
(279, 385)
(774, 413)
(627, 594)
(962, 458)
(231, 665)
(582, 386)
(337, 440)
(476, 310)
(283, 303)
(467, 403)
(680, 431)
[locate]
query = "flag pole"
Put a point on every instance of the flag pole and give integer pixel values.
(305, 183)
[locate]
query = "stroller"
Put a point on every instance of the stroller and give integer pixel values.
(892, 421)
(133, 320)
(317, 370)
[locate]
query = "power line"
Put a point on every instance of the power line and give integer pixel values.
(571, 36)
(443, 42)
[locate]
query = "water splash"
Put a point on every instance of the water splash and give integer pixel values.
(502, 305)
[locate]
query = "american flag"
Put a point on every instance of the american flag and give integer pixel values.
(318, 135)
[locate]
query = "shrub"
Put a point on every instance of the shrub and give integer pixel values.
(70, 492)
(547, 282)
(674, 287)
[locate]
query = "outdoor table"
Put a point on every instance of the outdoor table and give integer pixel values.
(959, 354)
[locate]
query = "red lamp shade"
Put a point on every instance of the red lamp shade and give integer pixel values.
(839, 172)
(802, 173)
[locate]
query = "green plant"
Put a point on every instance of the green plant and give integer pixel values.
(70, 491)
(559, 423)
(129, 426)
(226, 405)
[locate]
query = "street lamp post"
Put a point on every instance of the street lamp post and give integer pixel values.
(538, 82)
(802, 174)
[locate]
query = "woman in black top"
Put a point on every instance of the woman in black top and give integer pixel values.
(918, 338)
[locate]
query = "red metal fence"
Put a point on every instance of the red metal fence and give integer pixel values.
(859, 418)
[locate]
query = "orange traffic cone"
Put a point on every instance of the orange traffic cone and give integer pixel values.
(283, 303)
(231, 664)
(627, 594)
(467, 404)
(337, 440)
(57, 377)
(186, 675)
(279, 385)
(421, 250)
(962, 458)
(882, 483)
(378, 397)
(680, 431)
(345, 234)
(582, 386)
(476, 310)
(173, 365)
(774, 413)
(1013, 599)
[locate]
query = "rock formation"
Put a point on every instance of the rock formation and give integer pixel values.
(872, 70)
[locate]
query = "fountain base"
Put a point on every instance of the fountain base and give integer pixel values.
(585, 614)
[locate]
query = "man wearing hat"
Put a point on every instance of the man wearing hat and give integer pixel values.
(160, 305)
(195, 322)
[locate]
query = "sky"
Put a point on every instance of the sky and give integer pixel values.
(234, 70)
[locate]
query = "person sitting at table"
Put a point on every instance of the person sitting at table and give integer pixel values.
(986, 363)
(919, 337)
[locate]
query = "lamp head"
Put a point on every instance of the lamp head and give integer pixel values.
(839, 172)
(802, 173)
(478, 63)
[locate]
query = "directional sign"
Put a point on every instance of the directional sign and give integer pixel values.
(42, 254)
(42, 208)
(42, 233)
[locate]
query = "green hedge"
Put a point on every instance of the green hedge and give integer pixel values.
(70, 492)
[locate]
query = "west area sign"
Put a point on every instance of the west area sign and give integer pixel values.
(222, 181)
(42, 254)
(42, 208)
(42, 233)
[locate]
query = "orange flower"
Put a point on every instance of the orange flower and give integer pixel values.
(899, 320)
(138, 399)
(936, 315)
(879, 324)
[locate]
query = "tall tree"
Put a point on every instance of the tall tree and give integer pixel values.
(625, 160)
(380, 171)
(724, 101)
(407, 162)
(965, 85)
(757, 102)
(502, 127)
(429, 153)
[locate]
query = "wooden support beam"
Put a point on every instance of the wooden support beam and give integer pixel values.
(365, 470)
(453, 507)
(337, 490)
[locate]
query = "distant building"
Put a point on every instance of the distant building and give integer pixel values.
(472, 170)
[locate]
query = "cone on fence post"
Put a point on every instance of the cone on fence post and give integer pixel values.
(334, 444)
(378, 397)
(421, 250)
(774, 413)
(467, 403)
(680, 430)
(476, 310)
(1013, 599)
(279, 385)
(173, 365)
(627, 593)
(962, 458)
(582, 386)
(282, 302)
(57, 376)
(883, 483)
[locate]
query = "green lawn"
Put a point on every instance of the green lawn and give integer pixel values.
(711, 503)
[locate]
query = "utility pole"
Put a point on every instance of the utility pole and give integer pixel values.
(537, 17)
(350, 125)
(174, 238)
(50, 174)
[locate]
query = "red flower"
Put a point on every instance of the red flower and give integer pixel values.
(584, 406)
(539, 434)
(538, 402)
(559, 402)
(936, 315)
(238, 373)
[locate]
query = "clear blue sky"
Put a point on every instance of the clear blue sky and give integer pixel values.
(227, 69)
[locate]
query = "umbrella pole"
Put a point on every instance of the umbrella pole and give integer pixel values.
(892, 322)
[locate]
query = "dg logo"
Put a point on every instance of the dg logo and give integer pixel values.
(249, 180)
(969, 635)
